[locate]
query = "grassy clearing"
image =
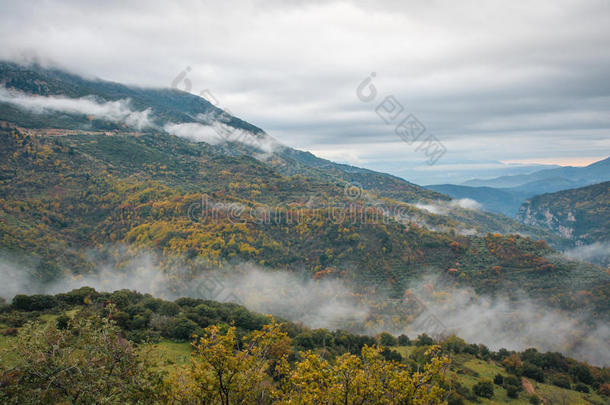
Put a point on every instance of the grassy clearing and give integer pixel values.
(167, 354)
(472, 370)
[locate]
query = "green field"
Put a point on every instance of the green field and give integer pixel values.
(167, 354)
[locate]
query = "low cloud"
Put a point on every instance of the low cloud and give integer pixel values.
(444, 207)
(211, 129)
(319, 304)
(116, 111)
(512, 324)
(598, 253)
(215, 132)
(466, 203)
(497, 322)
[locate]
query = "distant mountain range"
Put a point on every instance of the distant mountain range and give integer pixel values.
(506, 194)
(567, 177)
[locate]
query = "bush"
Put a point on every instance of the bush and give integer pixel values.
(62, 321)
(391, 355)
(484, 388)
(512, 380)
(534, 400)
(561, 381)
(183, 329)
(532, 371)
(463, 391)
(512, 391)
(580, 387)
(455, 399)
(499, 379)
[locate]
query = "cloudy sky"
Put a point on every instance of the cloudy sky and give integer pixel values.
(493, 81)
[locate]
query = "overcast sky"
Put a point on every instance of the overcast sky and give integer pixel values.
(494, 81)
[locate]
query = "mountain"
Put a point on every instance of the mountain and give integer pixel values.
(95, 174)
(503, 201)
(581, 214)
(554, 179)
(505, 194)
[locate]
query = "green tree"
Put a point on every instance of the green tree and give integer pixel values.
(484, 388)
(386, 339)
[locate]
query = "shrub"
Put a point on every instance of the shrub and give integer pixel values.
(183, 329)
(391, 355)
(498, 379)
(532, 371)
(62, 321)
(580, 387)
(534, 400)
(561, 381)
(484, 388)
(512, 380)
(512, 391)
(88, 364)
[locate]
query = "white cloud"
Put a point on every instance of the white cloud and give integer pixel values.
(466, 203)
(216, 133)
(598, 252)
(115, 111)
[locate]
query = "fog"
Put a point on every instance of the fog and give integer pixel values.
(211, 129)
(216, 132)
(445, 207)
(319, 304)
(114, 111)
(500, 322)
(330, 303)
(598, 253)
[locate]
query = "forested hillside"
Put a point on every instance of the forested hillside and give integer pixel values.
(84, 193)
(124, 347)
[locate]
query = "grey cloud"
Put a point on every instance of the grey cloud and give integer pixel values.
(470, 71)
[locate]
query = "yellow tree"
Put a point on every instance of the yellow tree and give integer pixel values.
(365, 379)
(223, 373)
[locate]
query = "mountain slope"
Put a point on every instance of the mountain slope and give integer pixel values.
(581, 214)
(79, 196)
